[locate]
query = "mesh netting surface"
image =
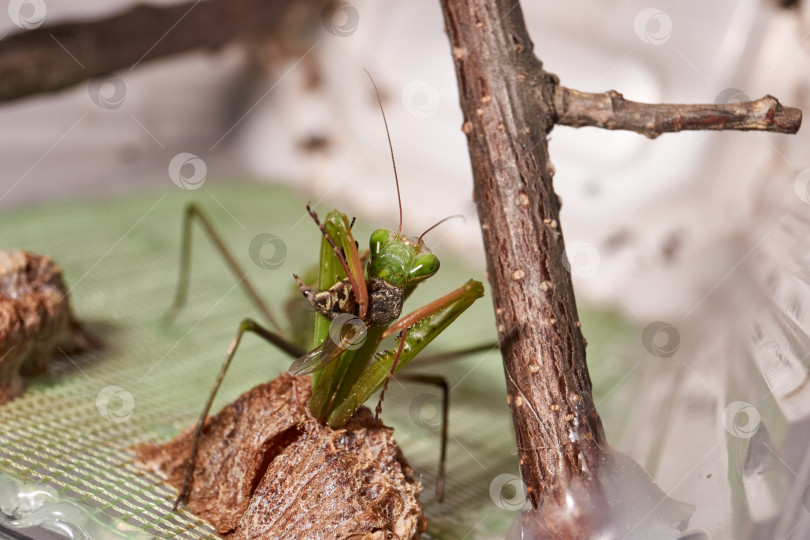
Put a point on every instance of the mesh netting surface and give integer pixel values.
(75, 428)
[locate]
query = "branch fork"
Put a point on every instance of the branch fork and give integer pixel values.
(510, 104)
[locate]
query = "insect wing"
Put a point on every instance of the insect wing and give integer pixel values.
(346, 336)
(313, 360)
(347, 332)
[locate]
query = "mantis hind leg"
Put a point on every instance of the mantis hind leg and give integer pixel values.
(247, 325)
(194, 212)
(458, 354)
(441, 382)
(426, 379)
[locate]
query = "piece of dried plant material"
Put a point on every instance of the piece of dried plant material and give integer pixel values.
(267, 468)
(35, 319)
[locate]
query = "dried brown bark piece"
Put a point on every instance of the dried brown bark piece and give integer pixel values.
(35, 319)
(267, 468)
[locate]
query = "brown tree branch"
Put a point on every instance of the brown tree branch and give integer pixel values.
(510, 104)
(55, 57)
(507, 98)
(610, 110)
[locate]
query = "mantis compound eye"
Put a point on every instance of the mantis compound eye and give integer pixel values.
(424, 266)
(379, 238)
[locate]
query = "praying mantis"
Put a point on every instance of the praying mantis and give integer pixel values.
(358, 302)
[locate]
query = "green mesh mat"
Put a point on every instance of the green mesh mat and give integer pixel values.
(74, 429)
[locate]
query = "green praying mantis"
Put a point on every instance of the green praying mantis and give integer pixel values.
(358, 301)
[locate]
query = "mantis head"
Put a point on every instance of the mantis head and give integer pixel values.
(401, 260)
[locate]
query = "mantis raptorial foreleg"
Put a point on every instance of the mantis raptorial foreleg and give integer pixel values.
(456, 302)
(402, 339)
(194, 212)
(247, 325)
(424, 325)
(351, 262)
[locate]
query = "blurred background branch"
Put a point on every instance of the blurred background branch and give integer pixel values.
(54, 57)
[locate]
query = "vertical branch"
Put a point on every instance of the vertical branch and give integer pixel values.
(507, 100)
(510, 104)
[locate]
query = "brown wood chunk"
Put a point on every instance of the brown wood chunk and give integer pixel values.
(267, 468)
(35, 319)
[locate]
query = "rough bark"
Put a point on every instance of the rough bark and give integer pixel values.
(55, 57)
(610, 110)
(510, 104)
(506, 98)
(268, 469)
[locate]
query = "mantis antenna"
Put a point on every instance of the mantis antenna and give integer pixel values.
(436, 225)
(390, 146)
